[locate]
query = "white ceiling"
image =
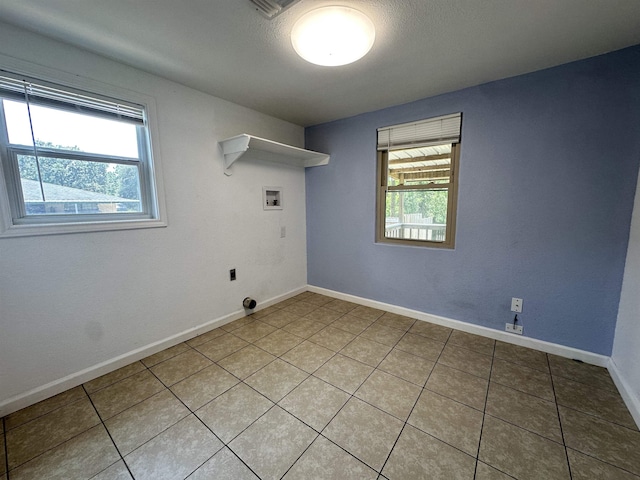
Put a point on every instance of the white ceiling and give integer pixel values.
(422, 48)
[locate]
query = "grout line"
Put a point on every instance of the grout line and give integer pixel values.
(484, 412)
(406, 422)
(108, 433)
(555, 398)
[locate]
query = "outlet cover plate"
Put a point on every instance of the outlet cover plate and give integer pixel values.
(516, 305)
(511, 328)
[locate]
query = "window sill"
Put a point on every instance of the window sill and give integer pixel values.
(415, 244)
(78, 227)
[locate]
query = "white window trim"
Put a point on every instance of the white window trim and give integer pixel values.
(9, 229)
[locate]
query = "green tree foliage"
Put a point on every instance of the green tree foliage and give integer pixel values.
(430, 203)
(111, 179)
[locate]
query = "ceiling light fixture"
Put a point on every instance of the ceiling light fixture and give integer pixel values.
(333, 36)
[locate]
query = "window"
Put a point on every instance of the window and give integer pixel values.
(72, 160)
(417, 182)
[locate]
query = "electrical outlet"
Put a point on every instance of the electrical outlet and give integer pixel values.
(232, 274)
(516, 305)
(283, 232)
(511, 328)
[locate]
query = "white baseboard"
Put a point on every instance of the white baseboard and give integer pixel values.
(547, 347)
(78, 378)
(631, 400)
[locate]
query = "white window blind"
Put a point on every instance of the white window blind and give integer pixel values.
(38, 92)
(433, 131)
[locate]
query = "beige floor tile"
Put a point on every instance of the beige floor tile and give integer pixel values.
(271, 444)
(46, 406)
(344, 373)
(233, 411)
(303, 327)
(300, 308)
(254, 331)
(431, 330)
(221, 347)
(420, 456)
(457, 385)
(175, 453)
(260, 314)
(323, 315)
(351, 324)
(276, 379)
(525, 379)
(203, 386)
(279, 342)
(288, 301)
(117, 471)
(323, 460)
(364, 431)
(302, 296)
(113, 377)
(522, 356)
(581, 372)
(280, 318)
(603, 440)
(389, 393)
(367, 313)
(241, 322)
(314, 402)
(205, 337)
(469, 341)
(407, 366)
(606, 404)
(332, 338)
(118, 397)
(420, 346)
(43, 433)
(486, 472)
(584, 467)
(318, 299)
(143, 421)
(366, 351)
(466, 360)
(308, 356)
(454, 423)
(80, 457)
(180, 367)
(381, 334)
(518, 452)
(246, 361)
(394, 320)
(224, 465)
(341, 306)
(524, 410)
(165, 354)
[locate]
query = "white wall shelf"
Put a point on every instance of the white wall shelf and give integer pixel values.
(249, 147)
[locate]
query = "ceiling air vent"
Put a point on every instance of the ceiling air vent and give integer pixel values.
(273, 8)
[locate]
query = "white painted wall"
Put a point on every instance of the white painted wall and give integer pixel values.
(626, 346)
(70, 302)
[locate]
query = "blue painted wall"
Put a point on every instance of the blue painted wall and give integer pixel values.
(548, 169)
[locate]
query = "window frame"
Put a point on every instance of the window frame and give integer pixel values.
(13, 219)
(382, 188)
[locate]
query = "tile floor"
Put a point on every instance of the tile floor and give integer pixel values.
(317, 388)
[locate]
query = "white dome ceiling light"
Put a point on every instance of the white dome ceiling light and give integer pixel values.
(333, 36)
